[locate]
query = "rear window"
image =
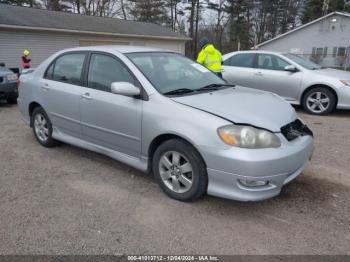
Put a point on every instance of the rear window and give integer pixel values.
(241, 60)
(67, 68)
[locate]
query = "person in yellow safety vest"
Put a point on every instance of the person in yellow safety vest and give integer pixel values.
(25, 59)
(209, 56)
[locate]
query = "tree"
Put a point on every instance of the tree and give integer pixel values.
(336, 5)
(282, 15)
(317, 8)
(240, 22)
(194, 8)
(30, 3)
(57, 5)
(109, 8)
(313, 9)
(152, 11)
(175, 11)
(260, 22)
(221, 20)
(288, 12)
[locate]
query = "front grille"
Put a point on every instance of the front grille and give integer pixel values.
(295, 129)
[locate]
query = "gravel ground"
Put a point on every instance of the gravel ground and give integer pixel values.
(67, 200)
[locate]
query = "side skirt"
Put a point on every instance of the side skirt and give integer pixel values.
(138, 163)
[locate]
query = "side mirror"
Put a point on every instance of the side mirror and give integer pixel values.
(291, 68)
(125, 89)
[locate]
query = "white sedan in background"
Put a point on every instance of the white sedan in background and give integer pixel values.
(301, 82)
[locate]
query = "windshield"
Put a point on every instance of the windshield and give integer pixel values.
(303, 62)
(5, 70)
(170, 72)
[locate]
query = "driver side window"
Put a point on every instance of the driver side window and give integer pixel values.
(67, 69)
(104, 70)
(271, 62)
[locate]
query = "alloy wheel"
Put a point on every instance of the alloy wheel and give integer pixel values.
(318, 102)
(41, 128)
(176, 171)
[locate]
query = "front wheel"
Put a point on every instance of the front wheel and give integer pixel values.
(180, 170)
(42, 128)
(319, 101)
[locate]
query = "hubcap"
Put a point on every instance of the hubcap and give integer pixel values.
(318, 102)
(176, 172)
(40, 127)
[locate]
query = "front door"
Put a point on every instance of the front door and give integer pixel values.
(110, 120)
(271, 76)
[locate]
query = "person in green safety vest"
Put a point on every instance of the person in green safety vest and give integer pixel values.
(209, 56)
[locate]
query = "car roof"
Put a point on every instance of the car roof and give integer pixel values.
(258, 51)
(253, 51)
(119, 48)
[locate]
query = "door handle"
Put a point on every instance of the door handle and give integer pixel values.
(86, 96)
(259, 74)
(46, 87)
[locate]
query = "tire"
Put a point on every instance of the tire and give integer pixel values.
(173, 175)
(12, 100)
(312, 101)
(42, 128)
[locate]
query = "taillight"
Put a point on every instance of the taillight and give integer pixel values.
(17, 83)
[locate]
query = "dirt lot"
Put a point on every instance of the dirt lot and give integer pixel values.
(70, 201)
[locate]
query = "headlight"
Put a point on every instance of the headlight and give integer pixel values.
(345, 82)
(248, 137)
(12, 77)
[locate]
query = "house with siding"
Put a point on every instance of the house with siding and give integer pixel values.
(325, 41)
(45, 32)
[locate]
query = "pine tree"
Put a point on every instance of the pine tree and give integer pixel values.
(57, 5)
(317, 8)
(240, 22)
(152, 11)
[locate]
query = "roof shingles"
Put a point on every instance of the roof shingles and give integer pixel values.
(40, 18)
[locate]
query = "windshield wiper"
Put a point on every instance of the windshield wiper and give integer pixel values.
(187, 90)
(214, 87)
(179, 91)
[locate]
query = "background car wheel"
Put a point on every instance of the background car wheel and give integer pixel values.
(42, 128)
(12, 100)
(180, 170)
(319, 101)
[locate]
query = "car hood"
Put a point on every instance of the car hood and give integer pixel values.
(242, 105)
(338, 74)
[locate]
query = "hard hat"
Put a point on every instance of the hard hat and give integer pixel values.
(26, 52)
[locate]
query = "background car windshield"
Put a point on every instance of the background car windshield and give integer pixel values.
(302, 61)
(169, 71)
(4, 69)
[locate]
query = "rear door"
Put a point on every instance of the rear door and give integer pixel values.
(110, 120)
(61, 89)
(271, 76)
(239, 69)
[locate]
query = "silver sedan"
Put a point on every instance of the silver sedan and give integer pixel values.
(299, 81)
(161, 112)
